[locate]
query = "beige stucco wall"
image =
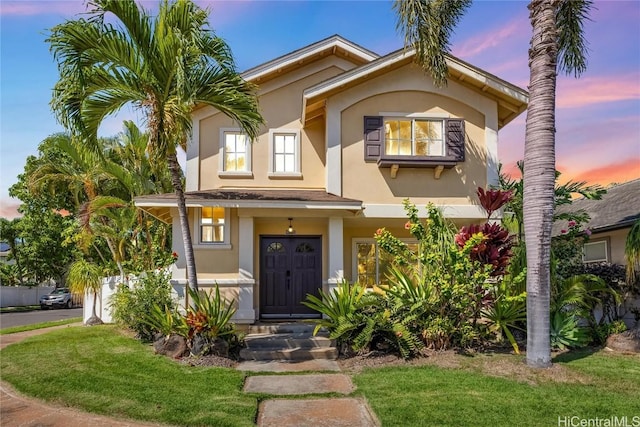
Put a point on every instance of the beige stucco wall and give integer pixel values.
(281, 107)
(215, 262)
(367, 182)
(615, 244)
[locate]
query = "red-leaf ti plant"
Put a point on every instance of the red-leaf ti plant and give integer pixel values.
(495, 248)
(492, 200)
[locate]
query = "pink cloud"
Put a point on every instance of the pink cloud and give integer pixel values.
(30, 8)
(623, 171)
(9, 208)
(490, 39)
(574, 93)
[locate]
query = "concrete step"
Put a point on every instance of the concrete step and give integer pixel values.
(283, 341)
(290, 354)
(282, 328)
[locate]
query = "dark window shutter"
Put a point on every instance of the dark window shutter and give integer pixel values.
(373, 138)
(455, 139)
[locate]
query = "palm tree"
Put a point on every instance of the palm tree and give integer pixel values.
(632, 254)
(164, 66)
(84, 277)
(557, 42)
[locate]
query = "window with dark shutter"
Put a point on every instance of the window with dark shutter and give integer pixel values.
(394, 142)
(373, 138)
(455, 139)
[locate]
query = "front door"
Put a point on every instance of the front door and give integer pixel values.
(290, 268)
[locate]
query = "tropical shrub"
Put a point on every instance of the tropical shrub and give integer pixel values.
(440, 287)
(507, 309)
(132, 303)
(566, 331)
(343, 311)
(209, 315)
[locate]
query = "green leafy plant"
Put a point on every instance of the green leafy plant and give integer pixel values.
(165, 320)
(210, 315)
(506, 311)
(342, 310)
(132, 303)
(566, 331)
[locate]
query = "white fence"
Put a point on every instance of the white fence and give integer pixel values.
(109, 288)
(19, 296)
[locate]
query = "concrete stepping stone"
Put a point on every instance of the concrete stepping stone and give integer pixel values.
(299, 384)
(336, 412)
(288, 366)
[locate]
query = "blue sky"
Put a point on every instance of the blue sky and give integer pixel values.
(598, 116)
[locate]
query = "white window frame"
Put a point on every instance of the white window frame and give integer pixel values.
(297, 173)
(222, 154)
(197, 236)
(354, 255)
(592, 243)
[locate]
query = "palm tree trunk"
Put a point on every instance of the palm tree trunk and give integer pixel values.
(539, 177)
(176, 180)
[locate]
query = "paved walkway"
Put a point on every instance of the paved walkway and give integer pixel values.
(20, 411)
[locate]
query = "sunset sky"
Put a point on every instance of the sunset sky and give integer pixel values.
(598, 115)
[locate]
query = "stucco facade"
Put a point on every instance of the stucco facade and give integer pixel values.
(311, 168)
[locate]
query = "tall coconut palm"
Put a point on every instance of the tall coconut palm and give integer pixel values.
(164, 66)
(557, 42)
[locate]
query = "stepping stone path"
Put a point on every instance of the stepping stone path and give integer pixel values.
(290, 347)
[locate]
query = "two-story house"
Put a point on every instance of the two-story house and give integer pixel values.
(349, 135)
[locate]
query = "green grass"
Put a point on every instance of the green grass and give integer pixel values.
(585, 385)
(24, 328)
(101, 371)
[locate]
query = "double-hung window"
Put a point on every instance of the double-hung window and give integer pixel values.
(414, 137)
(371, 264)
(284, 153)
(213, 225)
(235, 153)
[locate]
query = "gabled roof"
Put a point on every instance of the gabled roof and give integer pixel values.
(618, 208)
(512, 100)
(334, 45)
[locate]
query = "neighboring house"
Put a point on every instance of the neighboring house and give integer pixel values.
(349, 135)
(5, 251)
(611, 219)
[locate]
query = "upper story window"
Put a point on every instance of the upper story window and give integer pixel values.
(414, 137)
(212, 225)
(284, 151)
(595, 251)
(417, 142)
(235, 153)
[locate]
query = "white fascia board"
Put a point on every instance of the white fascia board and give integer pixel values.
(474, 73)
(354, 74)
(303, 53)
(397, 211)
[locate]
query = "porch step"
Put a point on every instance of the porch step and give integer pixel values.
(287, 341)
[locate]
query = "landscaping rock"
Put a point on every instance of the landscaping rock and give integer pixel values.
(626, 342)
(201, 346)
(174, 346)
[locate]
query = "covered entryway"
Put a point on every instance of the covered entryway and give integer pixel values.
(290, 268)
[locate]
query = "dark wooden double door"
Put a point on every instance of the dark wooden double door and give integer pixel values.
(290, 268)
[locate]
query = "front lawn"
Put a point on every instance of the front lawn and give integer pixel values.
(501, 391)
(99, 370)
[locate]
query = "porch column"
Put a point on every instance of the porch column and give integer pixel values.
(179, 268)
(246, 282)
(335, 253)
